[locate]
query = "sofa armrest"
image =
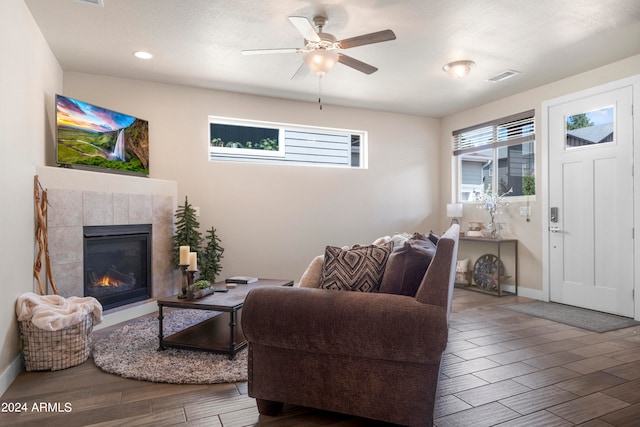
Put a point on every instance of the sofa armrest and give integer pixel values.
(369, 325)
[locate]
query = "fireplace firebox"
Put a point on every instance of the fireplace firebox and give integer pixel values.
(117, 263)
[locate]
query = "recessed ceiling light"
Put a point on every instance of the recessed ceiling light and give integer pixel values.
(99, 3)
(142, 55)
(503, 76)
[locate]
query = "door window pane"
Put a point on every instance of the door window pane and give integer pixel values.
(590, 128)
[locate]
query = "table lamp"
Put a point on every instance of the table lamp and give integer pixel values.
(454, 211)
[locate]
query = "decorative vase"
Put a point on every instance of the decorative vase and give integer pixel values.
(493, 228)
(493, 231)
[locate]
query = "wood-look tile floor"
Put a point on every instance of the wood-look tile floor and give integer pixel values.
(500, 368)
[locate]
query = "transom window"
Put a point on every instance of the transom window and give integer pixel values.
(267, 142)
(496, 156)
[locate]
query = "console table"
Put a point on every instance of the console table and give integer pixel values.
(216, 334)
(495, 267)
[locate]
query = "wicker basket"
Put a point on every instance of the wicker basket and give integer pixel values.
(55, 350)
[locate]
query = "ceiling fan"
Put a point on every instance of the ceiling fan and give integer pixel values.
(322, 50)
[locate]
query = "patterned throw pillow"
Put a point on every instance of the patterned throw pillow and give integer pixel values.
(357, 269)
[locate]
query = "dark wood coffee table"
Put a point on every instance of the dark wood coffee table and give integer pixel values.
(219, 334)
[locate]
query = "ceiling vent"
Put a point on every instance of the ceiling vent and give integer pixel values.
(503, 76)
(99, 3)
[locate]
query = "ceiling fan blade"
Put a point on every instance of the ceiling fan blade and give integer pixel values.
(305, 28)
(301, 73)
(268, 51)
(356, 64)
(377, 37)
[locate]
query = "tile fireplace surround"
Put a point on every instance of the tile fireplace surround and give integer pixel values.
(81, 198)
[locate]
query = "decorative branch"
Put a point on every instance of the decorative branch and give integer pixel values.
(41, 203)
(37, 265)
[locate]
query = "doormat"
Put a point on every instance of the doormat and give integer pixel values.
(132, 352)
(574, 316)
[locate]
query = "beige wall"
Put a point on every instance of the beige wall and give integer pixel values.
(30, 77)
(273, 219)
(529, 233)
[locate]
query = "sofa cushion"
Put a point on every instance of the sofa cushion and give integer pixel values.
(357, 269)
(313, 274)
(406, 267)
(381, 240)
(398, 239)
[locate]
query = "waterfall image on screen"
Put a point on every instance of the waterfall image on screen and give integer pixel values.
(118, 150)
(89, 136)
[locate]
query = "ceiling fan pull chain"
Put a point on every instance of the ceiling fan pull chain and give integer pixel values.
(320, 91)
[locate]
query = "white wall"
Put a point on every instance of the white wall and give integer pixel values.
(273, 219)
(529, 233)
(30, 77)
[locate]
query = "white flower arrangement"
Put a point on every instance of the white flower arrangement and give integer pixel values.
(492, 203)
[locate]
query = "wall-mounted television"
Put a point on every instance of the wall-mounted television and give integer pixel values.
(92, 137)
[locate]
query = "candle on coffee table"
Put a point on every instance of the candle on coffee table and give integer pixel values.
(193, 261)
(184, 255)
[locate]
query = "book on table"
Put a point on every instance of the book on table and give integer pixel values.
(242, 280)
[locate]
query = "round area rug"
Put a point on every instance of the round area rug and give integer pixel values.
(132, 352)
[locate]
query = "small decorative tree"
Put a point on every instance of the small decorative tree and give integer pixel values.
(187, 233)
(211, 256)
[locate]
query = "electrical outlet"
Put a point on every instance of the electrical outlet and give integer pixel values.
(525, 210)
(196, 210)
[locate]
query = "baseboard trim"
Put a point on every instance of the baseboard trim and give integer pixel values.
(524, 292)
(10, 374)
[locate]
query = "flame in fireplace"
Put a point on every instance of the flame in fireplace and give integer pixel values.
(107, 281)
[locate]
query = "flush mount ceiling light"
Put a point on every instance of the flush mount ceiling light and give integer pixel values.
(459, 69)
(142, 55)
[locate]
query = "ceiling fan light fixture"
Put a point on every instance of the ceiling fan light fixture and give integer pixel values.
(321, 61)
(459, 69)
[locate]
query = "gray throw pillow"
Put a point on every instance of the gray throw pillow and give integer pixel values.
(406, 267)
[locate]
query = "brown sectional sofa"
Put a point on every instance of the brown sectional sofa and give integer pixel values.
(374, 355)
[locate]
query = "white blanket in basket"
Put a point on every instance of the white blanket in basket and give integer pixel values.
(53, 312)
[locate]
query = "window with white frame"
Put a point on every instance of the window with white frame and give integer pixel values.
(496, 156)
(266, 142)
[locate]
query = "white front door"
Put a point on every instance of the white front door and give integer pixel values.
(591, 202)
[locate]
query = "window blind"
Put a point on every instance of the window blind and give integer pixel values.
(510, 130)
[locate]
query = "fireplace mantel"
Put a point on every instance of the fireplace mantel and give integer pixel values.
(80, 198)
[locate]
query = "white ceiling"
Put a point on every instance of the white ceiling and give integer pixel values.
(198, 43)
